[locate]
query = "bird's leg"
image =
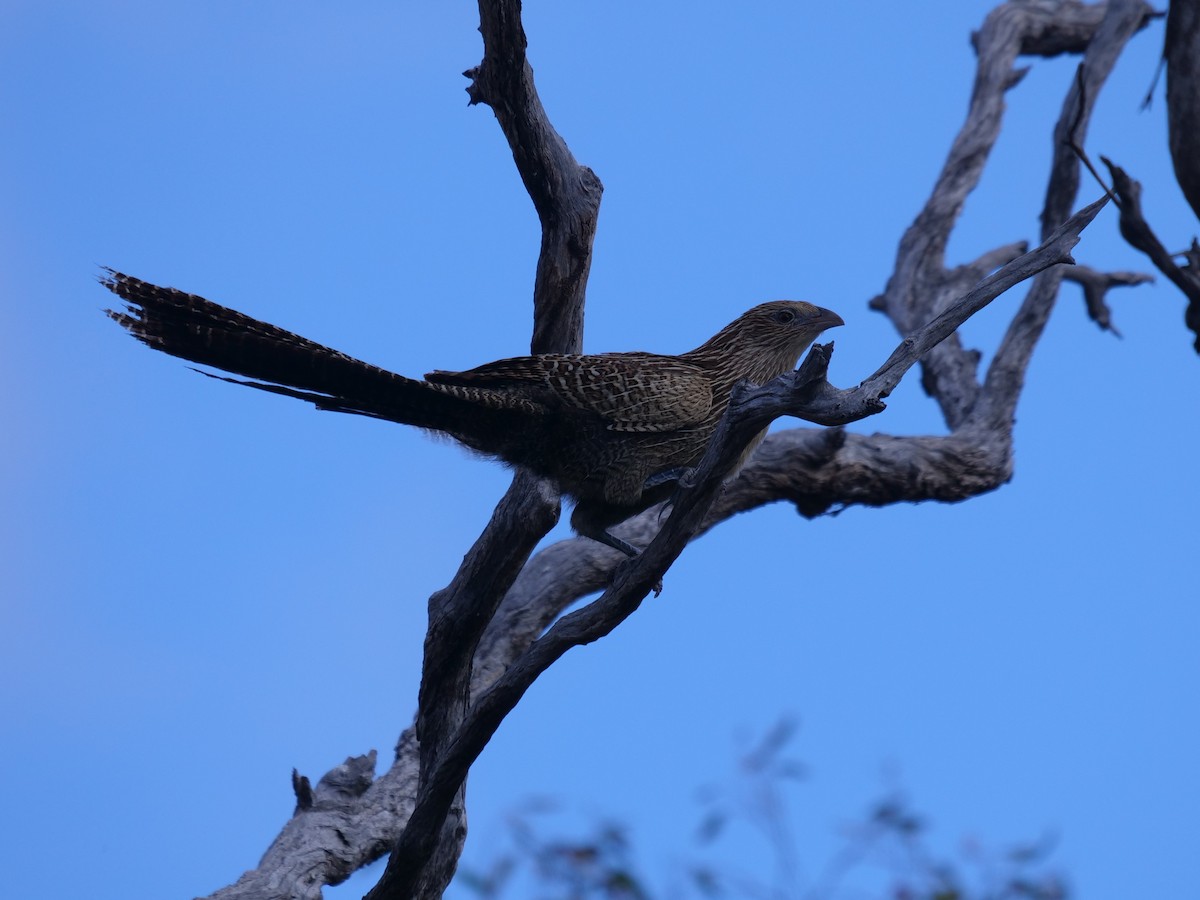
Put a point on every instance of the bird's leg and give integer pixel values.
(666, 476)
(592, 520)
(615, 542)
(679, 477)
(625, 547)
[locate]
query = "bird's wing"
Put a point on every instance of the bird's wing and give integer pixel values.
(629, 391)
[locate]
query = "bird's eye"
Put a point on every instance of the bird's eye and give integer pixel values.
(784, 316)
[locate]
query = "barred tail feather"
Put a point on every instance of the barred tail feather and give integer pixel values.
(279, 361)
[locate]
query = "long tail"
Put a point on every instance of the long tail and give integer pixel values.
(198, 330)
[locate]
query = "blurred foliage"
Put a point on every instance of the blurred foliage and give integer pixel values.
(890, 843)
(598, 866)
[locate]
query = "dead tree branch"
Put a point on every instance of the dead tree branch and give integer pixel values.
(1181, 54)
(1138, 233)
(567, 198)
(481, 656)
(1006, 375)
(1096, 286)
(806, 394)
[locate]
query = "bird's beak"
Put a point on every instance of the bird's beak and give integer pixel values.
(826, 318)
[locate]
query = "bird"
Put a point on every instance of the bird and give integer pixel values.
(613, 431)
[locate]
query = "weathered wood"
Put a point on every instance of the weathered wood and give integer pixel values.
(1137, 231)
(567, 198)
(805, 394)
(815, 469)
(565, 194)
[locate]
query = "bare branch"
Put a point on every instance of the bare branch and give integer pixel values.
(1096, 285)
(565, 194)
(920, 287)
(567, 198)
(351, 823)
(804, 393)
(815, 469)
(831, 467)
(1136, 230)
(1006, 375)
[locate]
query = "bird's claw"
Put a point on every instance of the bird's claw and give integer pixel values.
(623, 566)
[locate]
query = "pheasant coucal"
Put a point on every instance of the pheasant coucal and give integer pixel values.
(613, 430)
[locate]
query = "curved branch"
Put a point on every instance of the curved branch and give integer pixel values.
(920, 286)
(1138, 233)
(806, 394)
(815, 469)
(565, 194)
(1096, 285)
(1006, 375)
(567, 198)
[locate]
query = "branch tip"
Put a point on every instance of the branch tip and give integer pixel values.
(1015, 77)
(302, 788)
(816, 364)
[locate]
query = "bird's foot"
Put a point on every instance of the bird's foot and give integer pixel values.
(614, 576)
(629, 550)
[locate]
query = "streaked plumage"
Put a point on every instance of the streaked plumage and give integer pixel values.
(599, 425)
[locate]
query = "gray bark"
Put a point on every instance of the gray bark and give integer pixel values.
(1181, 54)
(499, 624)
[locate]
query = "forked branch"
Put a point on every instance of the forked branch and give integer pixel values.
(806, 394)
(815, 469)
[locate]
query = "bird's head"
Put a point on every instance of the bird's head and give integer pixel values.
(766, 341)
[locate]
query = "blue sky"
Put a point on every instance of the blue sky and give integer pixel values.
(202, 587)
